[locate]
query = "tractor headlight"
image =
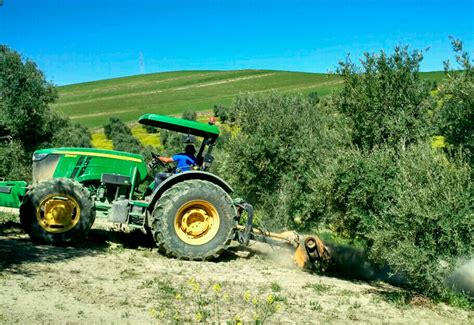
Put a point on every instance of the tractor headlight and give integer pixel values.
(39, 156)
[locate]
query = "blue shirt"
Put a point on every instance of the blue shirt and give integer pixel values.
(184, 161)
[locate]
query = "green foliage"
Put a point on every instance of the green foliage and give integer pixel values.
(150, 129)
(368, 171)
(121, 136)
(385, 100)
(269, 159)
(224, 114)
(25, 115)
(454, 119)
(71, 135)
(189, 115)
(413, 208)
(116, 126)
(125, 142)
(24, 101)
(15, 163)
(314, 97)
(224, 136)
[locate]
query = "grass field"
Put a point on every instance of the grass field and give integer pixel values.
(92, 103)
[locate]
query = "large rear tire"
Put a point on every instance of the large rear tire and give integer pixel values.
(194, 220)
(58, 211)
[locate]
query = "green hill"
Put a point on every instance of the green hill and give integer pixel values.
(92, 103)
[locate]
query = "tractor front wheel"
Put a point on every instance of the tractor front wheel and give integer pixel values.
(57, 211)
(194, 220)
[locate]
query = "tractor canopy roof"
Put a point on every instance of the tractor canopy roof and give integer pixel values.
(180, 125)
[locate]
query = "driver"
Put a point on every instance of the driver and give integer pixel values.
(185, 161)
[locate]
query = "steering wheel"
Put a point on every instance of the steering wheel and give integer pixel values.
(155, 161)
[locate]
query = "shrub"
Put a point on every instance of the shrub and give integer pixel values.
(314, 98)
(24, 100)
(269, 159)
(385, 99)
(25, 115)
(150, 129)
(15, 163)
(189, 115)
(455, 117)
(224, 114)
(116, 126)
(124, 142)
(71, 135)
(121, 136)
(412, 207)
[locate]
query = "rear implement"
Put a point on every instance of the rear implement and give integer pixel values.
(310, 251)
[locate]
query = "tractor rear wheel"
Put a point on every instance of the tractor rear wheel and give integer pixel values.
(57, 211)
(194, 220)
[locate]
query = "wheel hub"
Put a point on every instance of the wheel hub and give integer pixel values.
(197, 222)
(58, 214)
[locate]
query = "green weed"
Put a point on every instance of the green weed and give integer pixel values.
(315, 306)
(275, 287)
(400, 299)
(317, 287)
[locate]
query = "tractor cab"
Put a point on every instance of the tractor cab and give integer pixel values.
(190, 129)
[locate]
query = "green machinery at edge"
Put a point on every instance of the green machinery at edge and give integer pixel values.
(190, 215)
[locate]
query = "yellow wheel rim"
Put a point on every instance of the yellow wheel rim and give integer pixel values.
(58, 213)
(196, 222)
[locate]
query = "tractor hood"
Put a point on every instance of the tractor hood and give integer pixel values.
(180, 125)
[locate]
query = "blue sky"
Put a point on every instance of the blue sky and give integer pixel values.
(82, 40)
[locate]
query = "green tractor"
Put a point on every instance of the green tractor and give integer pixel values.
(190, 215)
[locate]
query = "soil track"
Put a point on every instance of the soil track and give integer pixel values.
(118, 277)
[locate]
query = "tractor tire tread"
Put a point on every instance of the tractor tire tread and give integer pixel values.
(27, 212)
(163, 239)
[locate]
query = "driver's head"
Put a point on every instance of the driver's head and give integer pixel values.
(190, 150)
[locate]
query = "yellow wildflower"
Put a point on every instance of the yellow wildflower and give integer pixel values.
(270, 299)
(254, 301)
(178, 297)
(237, 319)
(198, 316)
(196, 287)
(247, 296)
(217, 287)
(277, 307)
(152, 312)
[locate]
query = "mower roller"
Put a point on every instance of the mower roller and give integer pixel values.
(190, 215)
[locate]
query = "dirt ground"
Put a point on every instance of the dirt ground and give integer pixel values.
(118, 277)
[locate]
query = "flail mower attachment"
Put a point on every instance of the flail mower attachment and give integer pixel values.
(310, 251)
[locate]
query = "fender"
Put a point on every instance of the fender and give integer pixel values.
(181, 177)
